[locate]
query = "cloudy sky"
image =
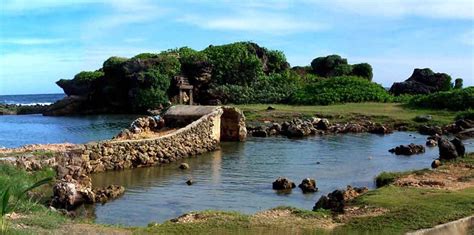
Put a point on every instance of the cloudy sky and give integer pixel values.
(42, 41)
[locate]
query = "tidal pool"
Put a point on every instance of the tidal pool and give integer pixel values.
(239, 176)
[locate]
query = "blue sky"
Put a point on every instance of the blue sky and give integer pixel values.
(42, 41)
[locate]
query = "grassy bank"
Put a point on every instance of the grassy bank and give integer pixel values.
(389, 113)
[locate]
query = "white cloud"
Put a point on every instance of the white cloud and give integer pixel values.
(255, 22)
(31, 41)
(452, 9)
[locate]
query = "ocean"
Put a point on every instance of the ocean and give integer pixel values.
(43, 99)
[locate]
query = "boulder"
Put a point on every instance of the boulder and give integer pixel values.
(338, 199)
(435, 164)
(323, 124)
(430, 130)
(422, 81)
(298, 130)
(259, 132)
(466, 134)
(108, 193)
(190, 182)
(69, 193)
(431, 143)
(308, 185)
(460, 149)
(184, 166)
(408, 149)
(447, 150)
(283, 184)
(379, 129)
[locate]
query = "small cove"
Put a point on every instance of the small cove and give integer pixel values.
(238, 177)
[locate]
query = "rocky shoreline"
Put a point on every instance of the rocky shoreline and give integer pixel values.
(15, 109)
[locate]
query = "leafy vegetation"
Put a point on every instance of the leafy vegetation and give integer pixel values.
(341, 90)
(468, 114)
(88, 75)
(456, 99)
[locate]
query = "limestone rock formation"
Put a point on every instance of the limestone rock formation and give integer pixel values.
(422, 81)
(308, 185)
(283, 184)
(338, 199)
(408, 149)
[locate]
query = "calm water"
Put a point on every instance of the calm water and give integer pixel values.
(30, 99)
(239, 176)
(18, 130)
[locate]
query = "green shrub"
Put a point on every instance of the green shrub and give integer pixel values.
(457, 99)
(340, 90)
(276, 62)
(386, 178)
(458, 83)
(145, 56)
(88, 75)
(275, 88)
(363, 70)
(149, 98)
(113, 67)
(331, 66)
(468, 114)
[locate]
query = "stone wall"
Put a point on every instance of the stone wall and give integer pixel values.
(200, 136)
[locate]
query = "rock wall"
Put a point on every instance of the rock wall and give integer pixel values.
(196, 138)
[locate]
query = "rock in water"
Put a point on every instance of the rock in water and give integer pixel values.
(408, 149)
(283, 184)
(190, 182)
(184, 166)
(460, 149)
(308, 185)
(447, 150)
(431, 143)
(106, 194)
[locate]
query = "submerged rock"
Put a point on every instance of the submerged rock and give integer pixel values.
(308, 185)
(408, 149)
(431, 143)
(106, 194)
(184, 166)
(283, 184)
(190, 182)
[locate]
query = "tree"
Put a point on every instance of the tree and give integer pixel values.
(330, 66)
(458, 83)
(363, 70)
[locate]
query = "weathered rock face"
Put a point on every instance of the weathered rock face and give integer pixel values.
(422, 81)
(337, 200)
(283, 184)
(408, 149)
(460, 149)
(308, 185)
(233, 124)
(108, 193)
(447, 150)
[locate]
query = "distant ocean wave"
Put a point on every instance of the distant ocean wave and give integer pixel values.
(30, 100)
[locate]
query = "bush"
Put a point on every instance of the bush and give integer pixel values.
(363, 70)
(145, 56)
(331, 66)
(88, 75)
(468, 114)
(458, 83)
(149, 98)
(340, 90)
(386, 178)
(275, 88)
(234, 64)
(457, 99)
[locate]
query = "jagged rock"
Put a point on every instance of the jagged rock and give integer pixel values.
(190, 182)
(69, 193)
(422, 81)
(298, 130)
(337, 200)
(283, 184)
(274, 129)
(431, 143)
(447, 150)
(435, 164)
(323, 124)
(108, 193)
(259, 132)
(184, 166)
(308, 185)
(408, 149)
(460, 149)
(466, 134)
(379, 129)
(430, 130)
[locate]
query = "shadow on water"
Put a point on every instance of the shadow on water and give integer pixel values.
(239, 176)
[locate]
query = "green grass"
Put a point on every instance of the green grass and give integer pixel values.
(386, 178)
(411, 209)
(32, 208)
(377, 112)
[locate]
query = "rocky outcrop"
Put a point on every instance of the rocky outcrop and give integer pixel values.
(430, 130)
(408, 149)
(422, 81)
(308, 185)
(142, 125)
(450, 149)
(338, 199)
(283, 184)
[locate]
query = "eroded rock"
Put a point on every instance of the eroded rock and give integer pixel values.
(338, 199)
(408, 149)
(283, 184)
(308, 185)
